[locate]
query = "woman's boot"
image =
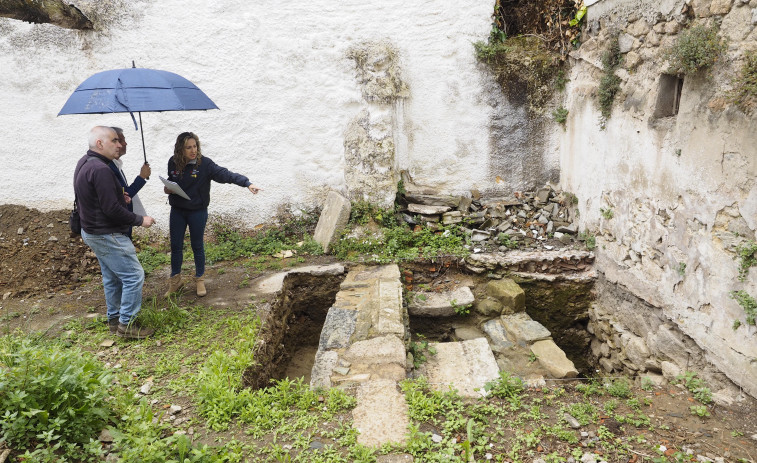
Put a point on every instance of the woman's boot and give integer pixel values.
(201, 286)
(174, 284)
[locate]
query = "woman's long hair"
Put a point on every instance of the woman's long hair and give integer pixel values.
(178, 150)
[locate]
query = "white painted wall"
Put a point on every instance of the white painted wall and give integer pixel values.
(278, 72)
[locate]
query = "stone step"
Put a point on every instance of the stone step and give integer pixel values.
(464, 366)
(362, 345)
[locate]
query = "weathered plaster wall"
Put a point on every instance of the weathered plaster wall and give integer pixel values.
(292, 97)
(682, 191)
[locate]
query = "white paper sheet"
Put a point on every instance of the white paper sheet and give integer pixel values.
(173, 187)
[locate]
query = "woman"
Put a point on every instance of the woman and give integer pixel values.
(193, 173)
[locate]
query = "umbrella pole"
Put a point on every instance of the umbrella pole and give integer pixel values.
(144, 151)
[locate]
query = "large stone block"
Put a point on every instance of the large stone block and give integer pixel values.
(466, 366)
(381, 414)
(523, 329)
(554, 359)
(507, 291)
(337, 328)
(488, 306)
(320, 374)
(425, 304)
(335, 215)
(390, 309)
(386, 349)
(497, 335)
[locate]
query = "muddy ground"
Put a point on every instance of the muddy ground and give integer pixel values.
(48, 279)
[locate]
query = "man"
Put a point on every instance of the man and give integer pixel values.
(135, 205)
(105, 220)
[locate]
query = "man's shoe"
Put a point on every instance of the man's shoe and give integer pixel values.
(201, 291)
(113, 325)
(174, 284)
(134, 331)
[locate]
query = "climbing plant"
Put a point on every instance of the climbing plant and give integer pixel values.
(609, 84)
(744, 92)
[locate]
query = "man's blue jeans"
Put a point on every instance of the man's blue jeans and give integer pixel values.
(123, 275)
(177, 223)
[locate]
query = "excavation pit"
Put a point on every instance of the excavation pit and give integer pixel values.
(291, 329)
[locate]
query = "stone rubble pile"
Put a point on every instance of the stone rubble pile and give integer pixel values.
(540, 219)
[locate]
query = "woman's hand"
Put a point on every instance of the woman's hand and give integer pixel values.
(254, 189)
(166, 190)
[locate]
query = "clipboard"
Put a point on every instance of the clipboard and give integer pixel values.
(173, 187)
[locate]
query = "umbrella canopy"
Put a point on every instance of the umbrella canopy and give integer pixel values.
(136, 90)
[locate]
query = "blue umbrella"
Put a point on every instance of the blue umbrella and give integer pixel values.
(137, 90)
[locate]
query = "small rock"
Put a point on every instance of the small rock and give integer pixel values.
(20, 230)
(572, 422)
(175, 409)
(145, 389)
(53, 238)
(105, 436)
(107, 343)
(436, 438)
(7, 295)
(342, 371)
(50, 225)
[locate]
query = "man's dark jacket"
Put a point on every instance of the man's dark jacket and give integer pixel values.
(100, 196)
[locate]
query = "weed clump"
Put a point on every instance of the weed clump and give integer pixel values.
(744, 93)
(696, 49)
(393, 240)
(749, 304)
(746, 254)
(525, 68)
(560, 115)
(609, 84)
(54, 400)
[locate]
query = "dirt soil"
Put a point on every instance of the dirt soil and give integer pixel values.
(38, 254)
(48, 279)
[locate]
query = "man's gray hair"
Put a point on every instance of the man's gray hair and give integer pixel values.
(99, 132)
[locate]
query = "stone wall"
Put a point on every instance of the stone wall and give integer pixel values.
(680, 188)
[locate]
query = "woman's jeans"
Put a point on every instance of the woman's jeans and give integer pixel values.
(123, 275)
(177, 223)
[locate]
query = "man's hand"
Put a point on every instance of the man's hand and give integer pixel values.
(166, 190)
(145, 171)
(127, 198)
(147, 221)
(254, 189)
